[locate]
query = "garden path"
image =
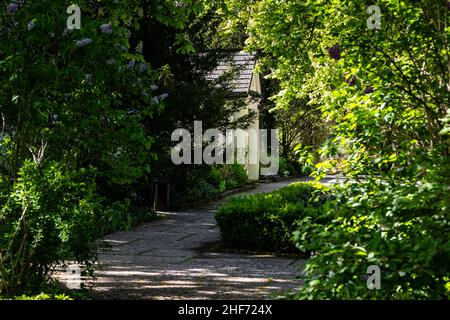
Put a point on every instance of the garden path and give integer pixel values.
(176, 258)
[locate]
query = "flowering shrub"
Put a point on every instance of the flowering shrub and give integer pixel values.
(69, 107)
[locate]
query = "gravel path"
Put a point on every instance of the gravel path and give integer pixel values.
(162, 260)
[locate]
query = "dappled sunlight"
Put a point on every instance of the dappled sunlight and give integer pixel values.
(162, 260)
(176, 282)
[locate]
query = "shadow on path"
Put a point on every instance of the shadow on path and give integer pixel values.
(160, 260)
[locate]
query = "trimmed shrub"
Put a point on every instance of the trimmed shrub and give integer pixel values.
(266, 221)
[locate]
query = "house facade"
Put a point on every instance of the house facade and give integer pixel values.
(246, 84)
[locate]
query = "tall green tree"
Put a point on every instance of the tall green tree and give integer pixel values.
(185, 54)
(383, 89)
(73, 105)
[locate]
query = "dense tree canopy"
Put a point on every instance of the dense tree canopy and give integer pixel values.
(384, 87)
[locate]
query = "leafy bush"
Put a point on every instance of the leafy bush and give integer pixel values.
(306, 158)
(73, 126)
(286, 168)
(50, 215)
(216, 179)
(403, 229)
(282, 169)
(123, 215)
(291, 169)
(266, 221)
(202, 183)
(234, 175)
(201, 191)
(208, 182)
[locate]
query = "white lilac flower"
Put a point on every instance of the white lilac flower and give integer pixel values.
(163, 96)
(106, 28)
(140, 47)
(179, 4)
(84, 42)
(142, 67)
(145, 93)
(131, 64)
(88, 78)
(121, 48)
(154, 87)
(31, 25)
(12, 8)
(155, 100)
(54, 118)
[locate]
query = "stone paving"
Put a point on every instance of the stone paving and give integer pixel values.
(162, 260)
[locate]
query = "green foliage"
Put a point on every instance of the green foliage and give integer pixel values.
(291, 169)
(446, 121)
(384, 95)
(123, 215)
(300, 124)
(403, 230)
(196, 191)
(51, 290)
(208, 182)
(266, 221)
(69, 103)
(44, 296)
(74, 106)
(167, 46)
(203, 183)
(49, 215)
(282, 170)
(286, 168)
(234, 175)
(306, 158)
(82, 133)
(388, 130)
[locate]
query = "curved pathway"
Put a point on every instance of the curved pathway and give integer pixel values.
(163, 260)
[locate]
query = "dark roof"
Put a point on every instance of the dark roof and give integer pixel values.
(244, 64)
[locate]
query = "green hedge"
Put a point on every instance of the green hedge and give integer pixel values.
(266, 221)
